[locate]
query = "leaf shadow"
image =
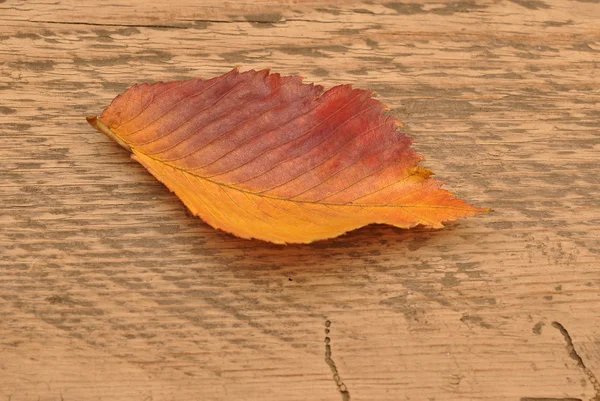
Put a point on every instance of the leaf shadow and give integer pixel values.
(370, 247)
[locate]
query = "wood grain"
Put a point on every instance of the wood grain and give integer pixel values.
(109, 290)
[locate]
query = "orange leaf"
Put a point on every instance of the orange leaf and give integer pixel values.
(264, 156)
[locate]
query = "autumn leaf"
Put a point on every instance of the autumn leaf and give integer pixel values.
(264, 156)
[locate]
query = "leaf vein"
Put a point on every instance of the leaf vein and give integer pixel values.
(217, 80)
(288, 142)
(226, 94)
(150, 103)
(325, 138)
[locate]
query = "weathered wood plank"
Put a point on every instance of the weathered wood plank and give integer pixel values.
(111, 291)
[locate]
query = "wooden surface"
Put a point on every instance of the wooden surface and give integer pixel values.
(110, 291)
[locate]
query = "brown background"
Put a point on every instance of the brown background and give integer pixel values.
(110, 291)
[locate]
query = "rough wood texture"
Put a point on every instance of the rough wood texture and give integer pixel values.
(109, 290)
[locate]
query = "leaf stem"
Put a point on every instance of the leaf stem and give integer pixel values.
(96, 123)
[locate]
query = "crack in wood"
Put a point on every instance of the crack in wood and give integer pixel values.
(549, 399)
(158, 26)
(575, 356)
(336, 376)
(183, 26)
(114, 25)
